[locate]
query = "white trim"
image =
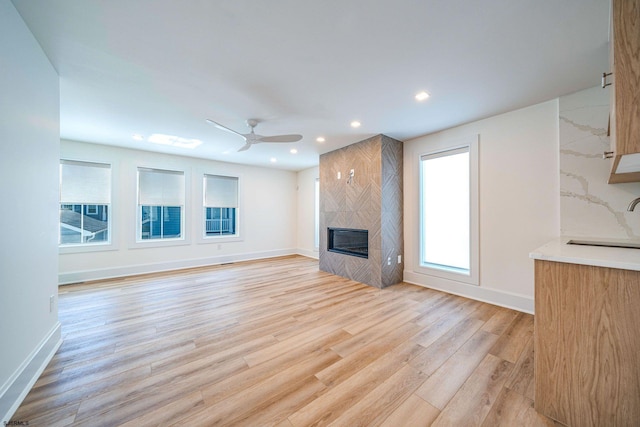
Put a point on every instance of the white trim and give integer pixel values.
(472, 144)
(16, 388)
(185, 236)
(109, 273)
(113, 205)
(82, 248)
(220, 239)
(316, 214)
(492, 296)
(308, 253)
(198, 225)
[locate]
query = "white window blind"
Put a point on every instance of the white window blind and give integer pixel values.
(160, 187)
(220, 191)
(85, 183)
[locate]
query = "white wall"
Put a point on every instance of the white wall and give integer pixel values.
(519, 203)
(268, 203)
(589, 207)
(306, 212)
(29, 143)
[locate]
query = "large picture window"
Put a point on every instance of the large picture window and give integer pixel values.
(445, 210)
(161, 199)
(448, 213)
(220, 206)
(85, 203)
(317, 215)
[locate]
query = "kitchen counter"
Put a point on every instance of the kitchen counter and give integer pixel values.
(558, 250)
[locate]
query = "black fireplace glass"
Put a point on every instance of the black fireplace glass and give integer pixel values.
(348, 241)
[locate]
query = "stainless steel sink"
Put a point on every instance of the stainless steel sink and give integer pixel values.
(610, 244)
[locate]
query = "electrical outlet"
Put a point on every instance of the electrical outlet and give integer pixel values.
(399, 259)
(52, 299)
(389, 261)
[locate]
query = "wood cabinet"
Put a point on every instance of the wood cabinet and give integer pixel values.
(587, 344)
(625, 91)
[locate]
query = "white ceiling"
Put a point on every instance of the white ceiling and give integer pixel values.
(308, 67)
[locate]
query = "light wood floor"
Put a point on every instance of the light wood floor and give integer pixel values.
(277, 342)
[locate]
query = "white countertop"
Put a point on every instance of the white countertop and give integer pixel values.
(558, 250)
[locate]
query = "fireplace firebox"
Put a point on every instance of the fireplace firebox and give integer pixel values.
(348, 241)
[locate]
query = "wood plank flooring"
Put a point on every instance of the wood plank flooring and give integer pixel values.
(278, 342)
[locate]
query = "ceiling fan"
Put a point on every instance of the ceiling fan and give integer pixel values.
(253, 138)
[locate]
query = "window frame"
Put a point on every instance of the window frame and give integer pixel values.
(226, 237)
(316, 212)
(473, 276)
(111, 243)
(160, 242)
(201, 232)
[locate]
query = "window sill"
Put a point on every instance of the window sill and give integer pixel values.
(219, 239)
(456, 275)
(159, 243)
(78, 249)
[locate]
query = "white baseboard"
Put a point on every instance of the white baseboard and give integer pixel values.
(130, 270)
(20, 383)
(492, 296)
(308, 253)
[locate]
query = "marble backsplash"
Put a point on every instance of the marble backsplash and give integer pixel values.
(589, 207)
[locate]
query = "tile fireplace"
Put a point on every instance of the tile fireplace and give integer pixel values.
(361, 201)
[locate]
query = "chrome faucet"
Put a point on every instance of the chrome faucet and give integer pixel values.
(633, 204)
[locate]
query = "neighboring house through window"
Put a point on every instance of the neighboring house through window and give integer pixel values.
(85, 203)
(220, 206)
(161, 200)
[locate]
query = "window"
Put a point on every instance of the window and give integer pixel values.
(220, 206)
(161, 199)
(85, 203)
(448, 213)
(317, 214)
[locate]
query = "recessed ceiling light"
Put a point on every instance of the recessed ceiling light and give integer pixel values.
(273, 160)
(138, 137)
(421, 96)
(320, 139)
(355, 124)
(174, 141)
(293, 151)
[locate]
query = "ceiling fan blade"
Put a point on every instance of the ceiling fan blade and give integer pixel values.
(219, 126)
(245, 147)
(281, 138)
(253, 138)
